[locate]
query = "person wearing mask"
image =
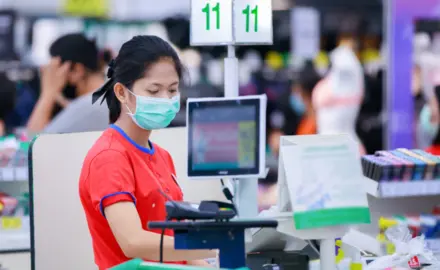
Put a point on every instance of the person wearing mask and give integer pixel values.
(301, 99)
(124, 173)
(7, 102)
(75, 65)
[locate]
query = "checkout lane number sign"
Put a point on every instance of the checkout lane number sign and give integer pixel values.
(88, 8)
(227, 22)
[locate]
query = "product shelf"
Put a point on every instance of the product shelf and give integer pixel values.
(398, 189)
(11, 174)
(14, 234)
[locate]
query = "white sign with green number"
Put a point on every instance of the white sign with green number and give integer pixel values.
(229, 22)
(211, 22)
(253, 21)
(324, 179)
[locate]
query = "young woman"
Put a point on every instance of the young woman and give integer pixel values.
(124, 173)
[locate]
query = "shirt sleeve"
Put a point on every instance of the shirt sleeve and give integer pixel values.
(111, 180)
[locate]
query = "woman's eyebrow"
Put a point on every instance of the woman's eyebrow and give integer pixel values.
(160, 85)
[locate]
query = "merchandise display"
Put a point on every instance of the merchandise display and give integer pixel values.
(403, 172)
(427, 225)
(14, 197)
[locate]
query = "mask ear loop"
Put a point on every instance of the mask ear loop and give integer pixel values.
(130, 112)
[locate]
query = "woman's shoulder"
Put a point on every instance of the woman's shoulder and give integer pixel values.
(160, 150)
(107, 147)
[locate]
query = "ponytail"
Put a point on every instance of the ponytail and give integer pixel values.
(106, 93)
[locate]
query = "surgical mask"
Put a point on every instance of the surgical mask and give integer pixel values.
(428, 127)
(154, 113)
(297, 104)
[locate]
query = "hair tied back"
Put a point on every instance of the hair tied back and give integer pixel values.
(111, 68)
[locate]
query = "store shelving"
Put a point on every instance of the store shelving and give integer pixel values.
(14, 234)
(398, 189)
(9, 174)
(14, 231)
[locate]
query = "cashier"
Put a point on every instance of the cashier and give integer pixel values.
(124, 173)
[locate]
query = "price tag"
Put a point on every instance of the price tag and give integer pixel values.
(91, 8)
(10, 223)
(7, 174)
(21, 173)
(253, 21)
(211, 22)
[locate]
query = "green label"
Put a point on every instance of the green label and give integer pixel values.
(248, 12)
(331, 217)
(216, 10)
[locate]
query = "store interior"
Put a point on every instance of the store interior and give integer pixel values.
(304, 35)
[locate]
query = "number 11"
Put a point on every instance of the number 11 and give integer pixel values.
(247, 12)
(207, 11)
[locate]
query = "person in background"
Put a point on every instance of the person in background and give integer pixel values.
(75, 64)
(301, 98)
(294, 114)
(430, 124)
(124, 174)
(7, 102)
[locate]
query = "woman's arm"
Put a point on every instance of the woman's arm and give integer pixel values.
(202, 263)
(135, 242)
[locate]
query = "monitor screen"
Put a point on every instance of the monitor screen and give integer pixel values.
(224, 137)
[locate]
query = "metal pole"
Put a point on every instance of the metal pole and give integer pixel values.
(246, 191)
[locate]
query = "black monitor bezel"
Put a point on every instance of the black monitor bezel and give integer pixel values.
(192, 105)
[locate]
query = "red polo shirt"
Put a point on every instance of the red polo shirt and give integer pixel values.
(116, 169)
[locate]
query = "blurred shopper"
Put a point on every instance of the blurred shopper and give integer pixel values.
(7, 102)
(301, 99)
(75, 64)
(430, 124)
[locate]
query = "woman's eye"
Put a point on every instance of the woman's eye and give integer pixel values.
(172, 91)
(153, 92)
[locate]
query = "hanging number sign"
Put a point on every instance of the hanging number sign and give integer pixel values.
(230, 22)
(211, 22)
(253, 21)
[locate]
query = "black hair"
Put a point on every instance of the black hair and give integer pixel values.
(8, 94)
(77, 48)
(308, 78)
(134, 58)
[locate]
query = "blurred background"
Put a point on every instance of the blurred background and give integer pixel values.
(292, 72)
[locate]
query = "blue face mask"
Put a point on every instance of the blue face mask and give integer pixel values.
(154, 113)
(297, 104)
(428, 127)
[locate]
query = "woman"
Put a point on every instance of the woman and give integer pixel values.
(124, 173)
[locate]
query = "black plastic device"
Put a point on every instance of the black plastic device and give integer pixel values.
(207, 210)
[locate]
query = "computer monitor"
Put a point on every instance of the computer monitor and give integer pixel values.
(226, 137)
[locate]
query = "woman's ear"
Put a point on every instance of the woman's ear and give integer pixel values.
(120, 93)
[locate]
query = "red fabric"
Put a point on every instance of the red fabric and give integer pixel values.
(116, 170)
(434, 149)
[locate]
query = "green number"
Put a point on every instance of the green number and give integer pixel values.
(248, 12)
(208, 21)
(255, 13)
(207, 11)
(216, 9)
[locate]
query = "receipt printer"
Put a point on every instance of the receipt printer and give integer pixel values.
(277, 260)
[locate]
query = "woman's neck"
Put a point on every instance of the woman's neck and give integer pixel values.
(137, 134)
